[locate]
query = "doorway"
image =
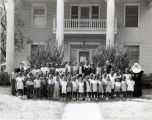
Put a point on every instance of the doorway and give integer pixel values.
(84, 56)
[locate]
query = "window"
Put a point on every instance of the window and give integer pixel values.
(84, 11)
(134, 49)
(39, 15)
(131, 15)
(95, 12)
(84, 14)
(74, 12)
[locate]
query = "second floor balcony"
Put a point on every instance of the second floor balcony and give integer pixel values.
(84, 26)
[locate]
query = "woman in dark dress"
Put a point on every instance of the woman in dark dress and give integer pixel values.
(136, 75)
(108, 66)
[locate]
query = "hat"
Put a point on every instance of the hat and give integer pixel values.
(136, 68)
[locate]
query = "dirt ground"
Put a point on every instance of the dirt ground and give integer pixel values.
(13, 108)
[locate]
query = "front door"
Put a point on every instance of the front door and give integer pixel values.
(83, 56)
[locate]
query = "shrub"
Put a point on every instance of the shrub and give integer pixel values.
(147, 81)
(147, 77)
(119, 57)
(47, 53)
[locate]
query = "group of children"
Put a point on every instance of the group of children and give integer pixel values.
(35, 85)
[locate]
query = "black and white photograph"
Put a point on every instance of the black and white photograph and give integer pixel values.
(75, 59)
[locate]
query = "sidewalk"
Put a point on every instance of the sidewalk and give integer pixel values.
(82, 111)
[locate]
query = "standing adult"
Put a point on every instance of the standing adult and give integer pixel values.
(86, 68)
(108, 67)
(98, 69)
(13, 82)
(56, 94)
(75, 68)
(93, 69)
(136, 75)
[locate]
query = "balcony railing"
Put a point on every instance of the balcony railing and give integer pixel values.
(84, 26)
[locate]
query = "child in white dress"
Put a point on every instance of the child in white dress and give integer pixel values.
(124, 86)
(81, 88)
(88, 88)
(100, 88)
(63, 88)
(130, 87)
(105, 82)
(117, 86)
(20, 85)
(75, 88)
(94, 87)
(112, 79)
(127, 74)
(108, 89)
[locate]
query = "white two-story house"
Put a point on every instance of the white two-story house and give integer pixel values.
(82, 26)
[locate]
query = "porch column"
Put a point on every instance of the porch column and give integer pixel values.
(60, 23)
(10, 37)
(110, 23)
(0, 45)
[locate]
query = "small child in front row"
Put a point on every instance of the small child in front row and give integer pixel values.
(88, 88)
(117, 86)
(69, 89)
(100, 88)
(105, 83)
(81, 88)
(74, 88)
(130, 87)
(50, 87)
(108, 89)
(20, 85)
(94, 87)
(30, 87)
(63, 88)
(124, 87)
(44, 87)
